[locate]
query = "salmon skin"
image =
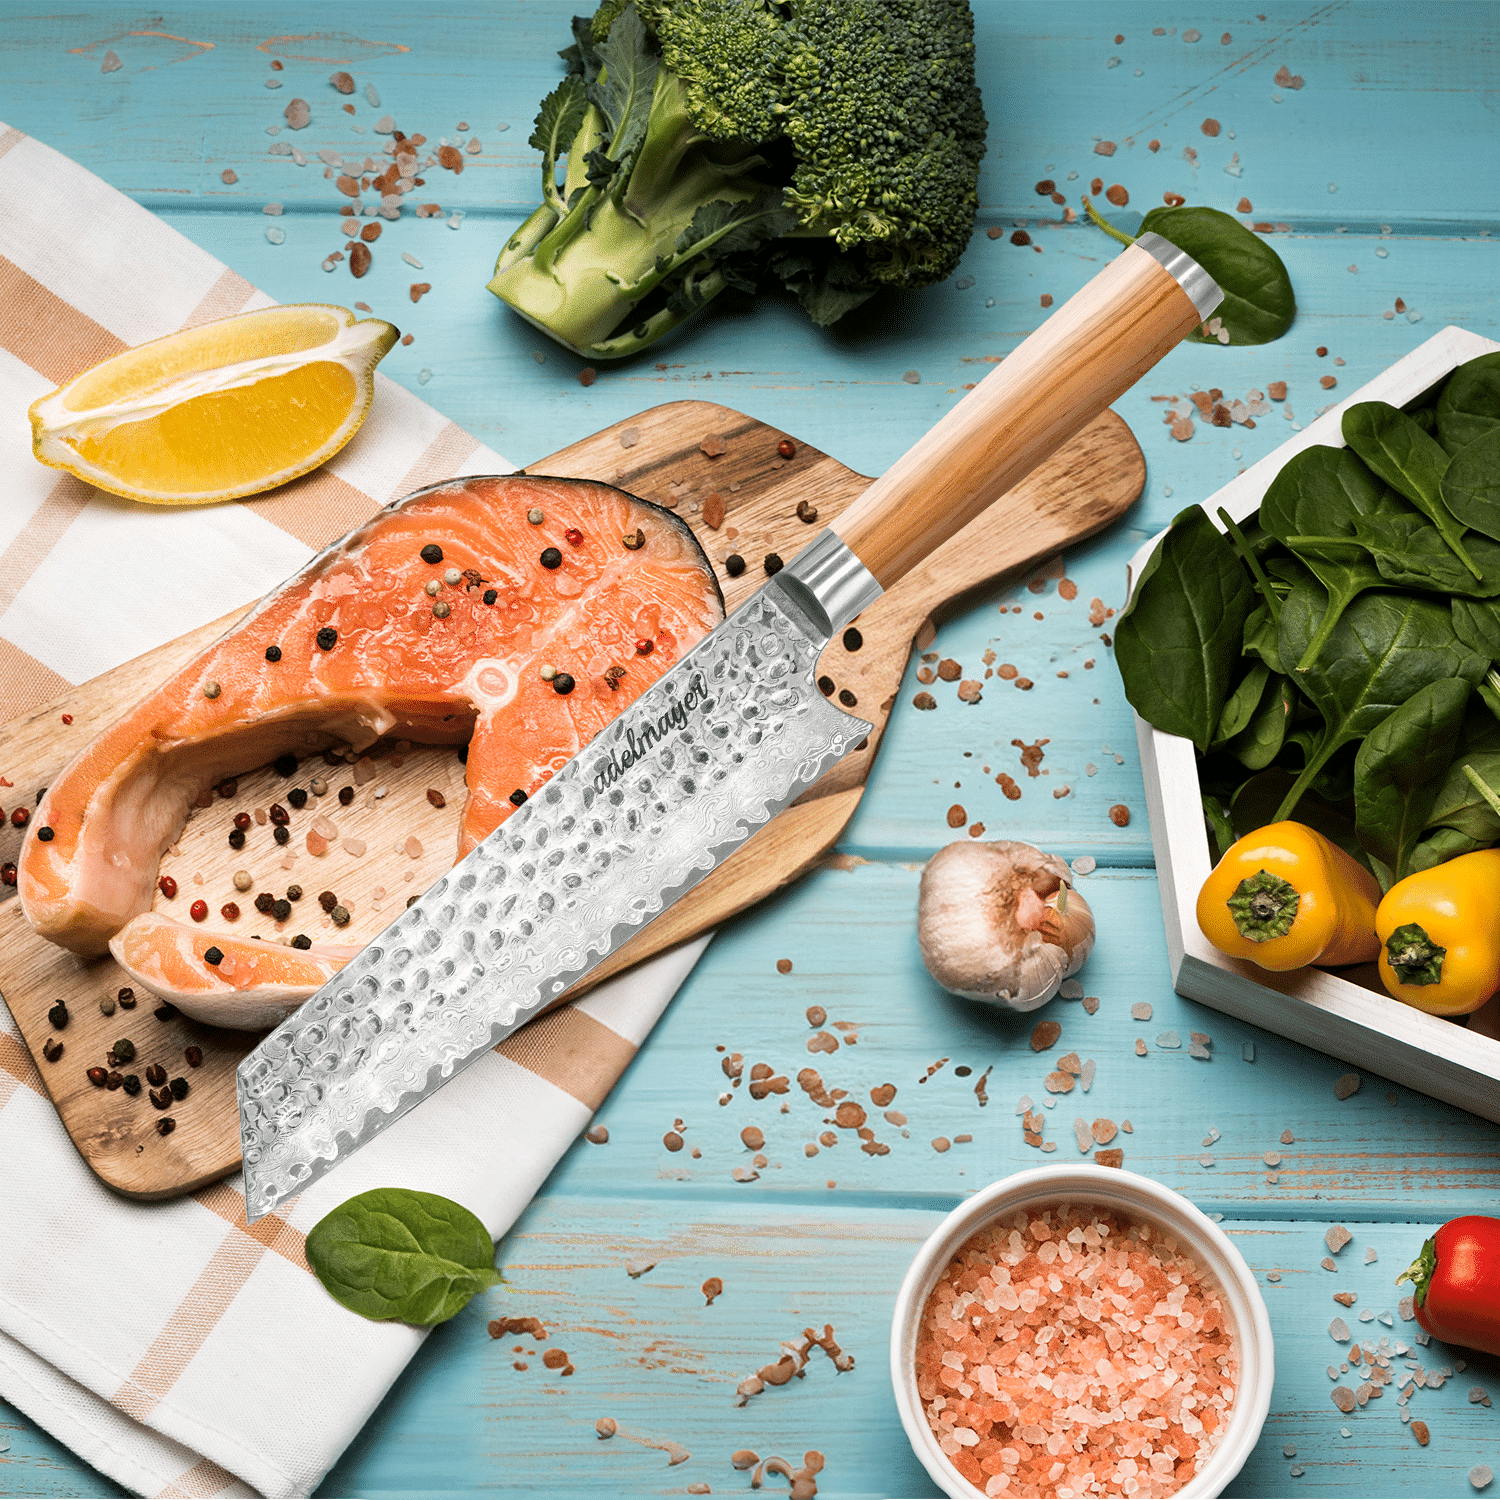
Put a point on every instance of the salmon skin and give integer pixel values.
(436, 621)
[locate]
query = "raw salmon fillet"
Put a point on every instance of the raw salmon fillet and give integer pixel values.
(365, 651)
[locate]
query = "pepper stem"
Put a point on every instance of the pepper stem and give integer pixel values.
(1414, 957)
(1420, 1272)
(1263, 907)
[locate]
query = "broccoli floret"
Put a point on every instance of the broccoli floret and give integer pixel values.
(831, 144)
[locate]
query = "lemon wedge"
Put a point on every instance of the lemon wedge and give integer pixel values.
(227, 409)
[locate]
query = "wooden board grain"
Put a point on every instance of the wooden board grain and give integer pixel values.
(399, 833)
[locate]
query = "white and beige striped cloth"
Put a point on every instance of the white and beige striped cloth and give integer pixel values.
(170, 1345)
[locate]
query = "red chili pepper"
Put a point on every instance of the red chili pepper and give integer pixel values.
(198, 910)
(574, 535)
(167, 886)
(1456, 1283)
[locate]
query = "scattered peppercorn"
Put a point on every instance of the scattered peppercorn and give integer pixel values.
(807, 513)
(21, 817)
(847, 698)
(194, 1056)
(167, 886)
(432, 553)
(286, 765)
(563, 683)
(46, 835)
(490, 596)
(156, 1075)
(441, 610)
(242, 820)
(518, 796)
(198, 910)
(211, 690)
(278, 814)
(853, 640)
(297, 797)
(230, 911)
(228, 788)
(574, 536)
(294, 893)
(122, 1051)
(282, 834)
(550, 558)
(126, 997)
(339, 916)
(634, 540)
(179, 1087)
(98, 1077)
(787, 448)
(327, 900)
(273, 653)
(773, 564)
(107, 1006)
(346, 795)
(114, 1079)
(165, 1012)
(734, 565)
(302, 941)
(131, 1083)
(825, 686)
(214, 956)
(436, 798)
(52, 1049)
(327, 638)
(281, 910)
(58, 1015)
(264, 902)
(166, 1125)
(8, 872)
(236, 838)
(67, 718)
(162, 1099)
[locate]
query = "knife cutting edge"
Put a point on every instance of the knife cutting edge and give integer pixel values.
(690, 770)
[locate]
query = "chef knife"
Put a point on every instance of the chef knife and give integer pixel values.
(701, 760)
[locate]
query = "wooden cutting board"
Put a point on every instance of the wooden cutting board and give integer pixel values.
(671, 455)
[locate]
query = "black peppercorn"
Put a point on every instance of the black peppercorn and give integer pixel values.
(45, 835)
(734, 565)
(126, 997)
(339, 916)
(166, 1126)
(214, 956)
(328, 638)
(282, 834)
(327, 900)
(273, 653)
(194, 1056)
(563, 684)
(162, 1098)
(297, 797)
(825, 686)
(518, 796)
(264, 902)
(490, 595)
(114, 1080)
(156, 1075)
(122, 1051)
(346, 795)
(165, 1013)
(179, 1087)
(98, 1077)
(294, 893)
(285, 765)
(432, 553)
(131, 1083)
(236, 838)
(853, 640)
(550, 558)
(52, 1049)
(302, 941)
(773, 564)
(847, 698)
(58, 1015)
(281, 910)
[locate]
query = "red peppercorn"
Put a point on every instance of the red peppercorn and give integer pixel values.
(198, 910)
(787, 448)
(167, 886)
(98, 1077)
(230, 912)
(242, 821)
(279, 815)
(8, 872)
(21, 817)
(574, 536)
(67, 718)
(644, 647)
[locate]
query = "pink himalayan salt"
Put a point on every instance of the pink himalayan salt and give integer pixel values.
(1070, 1351)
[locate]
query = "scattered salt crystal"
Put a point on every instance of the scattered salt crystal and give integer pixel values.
(912, 377)
(1346, 1432)
(1338, 1331)
(1049, 1145)
(1333, 1372)
(423, 376)
(1343, 1398)
(1140, 1046)
(1406, 1309)
(1348, 1084)
(413, 847)
(354, 847)
(1480, 1475)
(371, 97)
(111, 64)
(1024, 1104)
(1272, 1158)
(1273, 1276)
(1085, 864)
(1213, 1135)
(275, 233)
(411, 259)
(1287, 1138)
(1141, 1011)
(1206, 1160)
(1422, 1337)
(1083, 1134)
(1477, 1394)
(1086, 1075)
(1070, 989)
(1368, 1315)
(1297, 1471)
(1370, 1256)
(1337, 1237)
(1169, 1040)
(1327, 1263)
(1198, 1050)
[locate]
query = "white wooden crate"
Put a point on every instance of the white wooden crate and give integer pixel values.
(1345, 1014)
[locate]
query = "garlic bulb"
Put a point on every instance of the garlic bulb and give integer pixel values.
(1001, 922)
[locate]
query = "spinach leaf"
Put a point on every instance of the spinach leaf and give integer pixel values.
(397, 1253)
(1260, 741)
(1441, 845)
(1220, 829)
(1242, 703)
(1397, 771)
(1320, 491)
(1471, 484)
(1256, 801)
(1409, 553)
(1408, 460)
(1384, 649)
(1469, 406)
(1477, 625)
(1459, 804)
(1179, 641)
(1260, 637)
(1258, 304)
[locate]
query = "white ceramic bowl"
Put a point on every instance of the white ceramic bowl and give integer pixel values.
(1141, 1199)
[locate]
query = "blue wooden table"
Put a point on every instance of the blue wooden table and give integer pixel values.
(1375, 158)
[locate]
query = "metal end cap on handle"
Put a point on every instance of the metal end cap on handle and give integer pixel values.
(1203, 291)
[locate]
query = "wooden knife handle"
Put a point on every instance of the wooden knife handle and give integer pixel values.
(1091, 350)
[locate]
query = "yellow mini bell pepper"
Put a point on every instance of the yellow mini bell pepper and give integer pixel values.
(1440, 935)
(1285, 896)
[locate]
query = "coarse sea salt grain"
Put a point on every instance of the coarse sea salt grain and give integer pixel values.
(1037, 1381)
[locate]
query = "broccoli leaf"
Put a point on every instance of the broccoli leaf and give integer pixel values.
(624, 87)
(557, 122)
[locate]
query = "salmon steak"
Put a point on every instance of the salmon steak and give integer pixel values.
(516, 613)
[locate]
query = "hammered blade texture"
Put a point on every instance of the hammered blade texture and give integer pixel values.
(672, 787)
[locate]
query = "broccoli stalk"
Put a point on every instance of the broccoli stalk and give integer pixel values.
(704, 149)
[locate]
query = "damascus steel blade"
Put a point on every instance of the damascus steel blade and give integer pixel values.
(713, 750)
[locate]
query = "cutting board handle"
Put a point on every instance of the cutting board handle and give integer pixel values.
(1091, 350)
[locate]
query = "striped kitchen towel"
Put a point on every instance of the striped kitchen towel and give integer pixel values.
(172, 1346)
